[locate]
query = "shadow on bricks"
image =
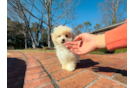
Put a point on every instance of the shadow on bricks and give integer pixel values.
(15, 72)
(109, 69)
(86, 63)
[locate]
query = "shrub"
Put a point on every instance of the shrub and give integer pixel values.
(10, 48)
(105, 51)
(29, 48)
(44, 48)
(121, 50)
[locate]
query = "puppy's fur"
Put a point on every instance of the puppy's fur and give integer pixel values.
(61, 35)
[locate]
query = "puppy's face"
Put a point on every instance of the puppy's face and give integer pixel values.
(61, 35)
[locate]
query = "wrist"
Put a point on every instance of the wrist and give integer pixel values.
(100, 41)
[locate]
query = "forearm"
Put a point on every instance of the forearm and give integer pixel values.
(113, 39)
(100, 41)
(116, 38)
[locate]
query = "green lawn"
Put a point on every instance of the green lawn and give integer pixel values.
(101, 51)
(105, 51)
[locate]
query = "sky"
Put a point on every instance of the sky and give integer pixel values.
(88, 10)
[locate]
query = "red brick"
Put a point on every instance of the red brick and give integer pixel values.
(97, 59)
(50, 61)
(118, 64)
(34, 65)
(16, 54)
(34, 68)
(106, 83)
(46, 58)
(34, 71)
(51, 65)
(123, 60)
(35, 76)
(54, 69)
(103, 62)
(107, 70)
(125, 68)
(8, 56)
(48, 86)
(79, 80)
(63, 74)
(37, 82)
(108, 60)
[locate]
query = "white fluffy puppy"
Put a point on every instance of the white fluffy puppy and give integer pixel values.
(61, 35)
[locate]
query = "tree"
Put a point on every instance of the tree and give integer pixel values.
(81, 28)
(14, 37)
(36, 30)
(87, 26)
(78, 29)
(57, 10)
(43, 40)
(112, 11)
(18, 10)
(97, 26)
(48, 12)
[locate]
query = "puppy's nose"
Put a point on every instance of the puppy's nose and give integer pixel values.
(63, 40)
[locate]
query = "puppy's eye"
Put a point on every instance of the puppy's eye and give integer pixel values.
(66, 35)
(59, 36)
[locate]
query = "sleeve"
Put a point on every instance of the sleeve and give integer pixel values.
(117, 37)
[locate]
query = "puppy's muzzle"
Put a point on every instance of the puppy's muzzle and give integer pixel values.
(63, 40)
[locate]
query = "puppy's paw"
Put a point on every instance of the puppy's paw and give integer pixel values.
(70, 69)
(64, 67)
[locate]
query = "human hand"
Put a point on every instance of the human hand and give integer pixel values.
(85, 43)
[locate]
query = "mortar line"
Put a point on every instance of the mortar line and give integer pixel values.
(56, 71)
(112, 62)
(109, 78)
(71, 75)
(116, 73)
(52, 66)
(43, 85)
(35, 79)
(53, 81)
(91, 83)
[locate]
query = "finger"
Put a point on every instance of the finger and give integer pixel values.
(80, 43)
(71, 43)
(76, 51)
(78, 37)
(72, 46)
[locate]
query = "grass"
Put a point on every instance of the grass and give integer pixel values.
(121, 50)
(101, 51)
(97, 52)
(33, 50)
(8, 54)
(105, 51)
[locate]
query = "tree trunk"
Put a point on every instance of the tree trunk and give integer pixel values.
(25, 41)
(37, 37)
(49, 38)
(49, 21)
(32, 39)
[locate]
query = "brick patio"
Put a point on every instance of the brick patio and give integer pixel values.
(43, 70)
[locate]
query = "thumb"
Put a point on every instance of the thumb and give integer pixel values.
(79, 37)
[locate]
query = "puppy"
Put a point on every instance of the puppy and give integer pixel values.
(67, 59)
